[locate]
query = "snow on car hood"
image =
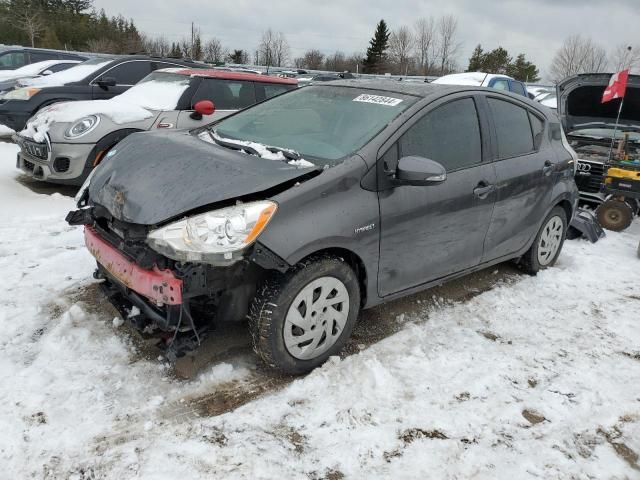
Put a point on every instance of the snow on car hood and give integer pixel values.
(154, 177)
(580, 102)
(134, 105)
(31, 70)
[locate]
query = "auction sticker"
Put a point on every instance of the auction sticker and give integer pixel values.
(380, 100)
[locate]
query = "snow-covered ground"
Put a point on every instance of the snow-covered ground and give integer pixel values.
(537, 378)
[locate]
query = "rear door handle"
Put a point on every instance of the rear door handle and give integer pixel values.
(547, 169)
(483, 190)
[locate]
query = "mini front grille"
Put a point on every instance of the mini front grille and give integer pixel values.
(37, 150)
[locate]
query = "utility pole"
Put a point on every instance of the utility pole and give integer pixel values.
(192, 40)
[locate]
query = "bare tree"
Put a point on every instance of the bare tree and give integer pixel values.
(336, 62)
(578, 55)
(155, 45)
(280, 50)
(401, 43)
(448, 45)
(273, 49)
(102, 45)
(28, 19)
(625, 57)
(312, 60)
(425, 43)
(213, 51)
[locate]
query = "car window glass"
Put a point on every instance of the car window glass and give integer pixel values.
(42, 56)
(226, 94)
(512, 128)
(129, 73)
(60, 66)
(518, 88)
(501, 85)
(537, 127)
(273, 89)
(13, 59)
(390, 159)
(450, 135)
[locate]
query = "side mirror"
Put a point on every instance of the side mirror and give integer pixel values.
(203, 107)
(46, 72)
(419, 171)
(106, 82)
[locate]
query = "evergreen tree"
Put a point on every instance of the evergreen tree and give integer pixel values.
(175, 50)
(523, 70)
(376, 53)
(476, 62)
(496, 61)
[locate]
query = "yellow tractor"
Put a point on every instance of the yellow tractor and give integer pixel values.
(622, 187)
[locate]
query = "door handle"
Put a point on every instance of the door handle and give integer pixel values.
(483, 190)
(547, 169)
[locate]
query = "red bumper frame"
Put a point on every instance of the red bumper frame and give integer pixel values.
(161, 286)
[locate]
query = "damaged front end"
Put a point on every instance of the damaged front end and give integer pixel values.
(178, 302)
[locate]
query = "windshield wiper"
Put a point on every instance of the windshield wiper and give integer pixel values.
(287, 154)
(233, 145)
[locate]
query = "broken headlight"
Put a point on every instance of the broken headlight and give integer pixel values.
(213, 237)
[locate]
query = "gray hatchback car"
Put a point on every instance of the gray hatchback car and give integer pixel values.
(298, 212)
(62, 143)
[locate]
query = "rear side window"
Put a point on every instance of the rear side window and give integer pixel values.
(129, 73)
(537, 127)
(13, 60)
(450, 135)
(518, 88)
(512, 128)
(226, 94)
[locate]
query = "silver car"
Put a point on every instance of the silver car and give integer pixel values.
(62, 143)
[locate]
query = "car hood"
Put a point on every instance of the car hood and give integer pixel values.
(153, 177)
(580, 97)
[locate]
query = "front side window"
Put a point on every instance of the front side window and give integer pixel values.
(13, 60)
(450, 135)
(512, 128)
(320, 122)
(42, 56)
(501, 85)
(226, 94)
(129, 73)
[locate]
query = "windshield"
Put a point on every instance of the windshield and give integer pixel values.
(320, 122)
(73, 74)
(157, 91)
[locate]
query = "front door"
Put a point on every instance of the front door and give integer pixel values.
(429, 232)
(126, 75)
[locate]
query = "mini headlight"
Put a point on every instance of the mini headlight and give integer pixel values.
(82, 126)
(21, 94)
(213, 237)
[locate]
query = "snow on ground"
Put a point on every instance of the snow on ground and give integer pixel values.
(534, 379)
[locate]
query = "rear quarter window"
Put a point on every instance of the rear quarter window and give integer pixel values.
(265, 91)
(513, 129)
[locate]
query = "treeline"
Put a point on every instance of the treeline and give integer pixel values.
(66, 24)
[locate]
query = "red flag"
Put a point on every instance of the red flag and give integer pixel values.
(617, 86)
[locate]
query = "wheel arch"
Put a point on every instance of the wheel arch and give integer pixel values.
(353, 260)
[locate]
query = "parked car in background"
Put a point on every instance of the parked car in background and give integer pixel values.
(12, 57)
(589, 125)
(480, 79)
(302, 210)
(65, 141)
(10, 78)
(98, 78)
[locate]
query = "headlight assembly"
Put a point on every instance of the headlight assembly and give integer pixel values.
(21, 94)
(82, 126)
(215, 236)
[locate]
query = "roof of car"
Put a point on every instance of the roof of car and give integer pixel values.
(408, 88)
(211, 73)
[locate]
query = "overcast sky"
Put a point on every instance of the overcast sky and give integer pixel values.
(534, 27)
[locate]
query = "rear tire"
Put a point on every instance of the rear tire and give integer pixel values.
(299, 319)
(614, 215)
(548, 243)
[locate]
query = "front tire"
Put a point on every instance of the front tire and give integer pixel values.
(301, 318)
(548, 243)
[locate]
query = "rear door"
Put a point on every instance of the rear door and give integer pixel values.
(429, 232)
(524, 172)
